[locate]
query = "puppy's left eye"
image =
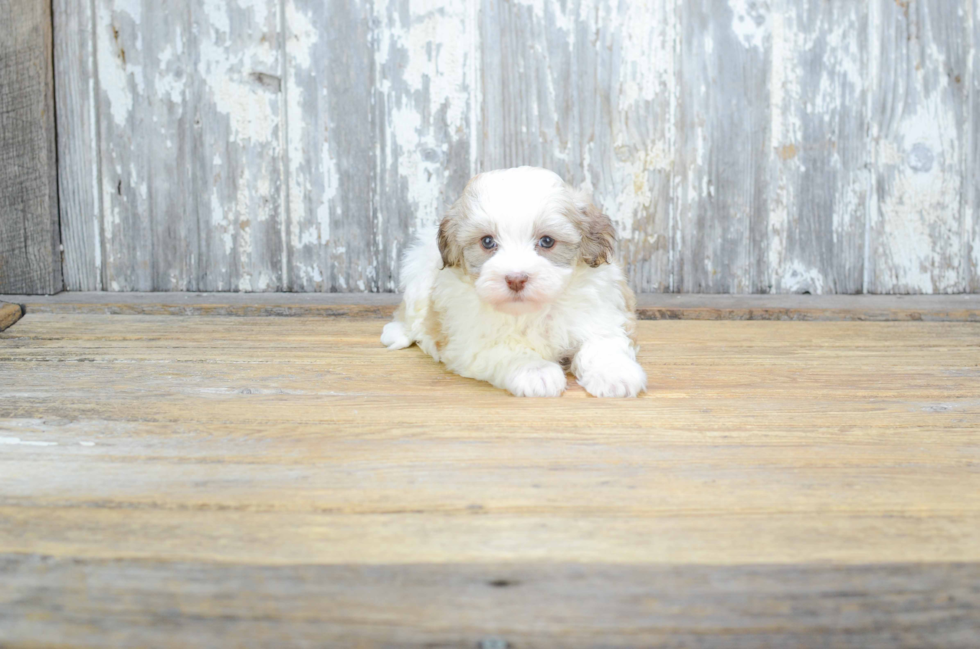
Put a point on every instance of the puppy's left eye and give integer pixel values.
(546, 242)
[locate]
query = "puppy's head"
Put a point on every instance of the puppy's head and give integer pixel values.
(519, 233)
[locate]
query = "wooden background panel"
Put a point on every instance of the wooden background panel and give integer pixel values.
(331, 150)
(819, 142)
(823, 147)
(78, 145)
(919, 117)
(721, 202)
(30, 261)
(189, 126)
(973, 168)
(584, 88)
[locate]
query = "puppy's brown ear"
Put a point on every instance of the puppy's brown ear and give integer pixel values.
(598, 231)
(452, 254)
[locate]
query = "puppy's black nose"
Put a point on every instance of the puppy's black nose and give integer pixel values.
(516, 281)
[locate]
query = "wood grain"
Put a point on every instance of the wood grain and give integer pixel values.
(484, 606)
(79, 160)
(809, 483)
(972, 194)
(723, 139)
(30, 260)
(819, 147)
(920, 121)
(332, 157)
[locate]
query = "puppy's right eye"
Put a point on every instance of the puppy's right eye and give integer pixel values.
(488, 243)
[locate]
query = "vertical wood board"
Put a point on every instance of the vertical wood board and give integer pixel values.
(79, 192)
(30, 259)
(189, 123)
(919, 116)
(721, 202)
(818, 190)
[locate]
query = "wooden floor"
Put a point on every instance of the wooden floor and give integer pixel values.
(176, 481)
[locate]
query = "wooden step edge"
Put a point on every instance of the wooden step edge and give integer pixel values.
(871, 308)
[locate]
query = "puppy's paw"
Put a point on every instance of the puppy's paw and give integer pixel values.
(393, 336)
(540, 379)
(616, 377)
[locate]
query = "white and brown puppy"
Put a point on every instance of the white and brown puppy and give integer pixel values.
(518, 281)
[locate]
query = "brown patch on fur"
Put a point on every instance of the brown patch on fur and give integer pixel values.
(598, 231)
(433, 327)
(449, 248)
(629, 299)
(451, 255)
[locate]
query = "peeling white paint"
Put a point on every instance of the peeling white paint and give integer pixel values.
(252, 111)
(313, 173)
(786, 138)
(917, 224)
(169, 83)
(750, 22)
(16, 441)
(796, 277)
(119, 79)
(435, 75)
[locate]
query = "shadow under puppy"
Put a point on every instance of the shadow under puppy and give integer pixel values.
(517, 284)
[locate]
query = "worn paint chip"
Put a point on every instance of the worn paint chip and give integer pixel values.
(16, 441)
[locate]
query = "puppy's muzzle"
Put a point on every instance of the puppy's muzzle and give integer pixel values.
(516, 281)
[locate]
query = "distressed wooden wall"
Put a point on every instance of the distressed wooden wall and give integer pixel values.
(30, 259)
(829, 146)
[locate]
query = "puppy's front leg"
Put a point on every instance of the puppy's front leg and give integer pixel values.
(520, 371)
(607, 367)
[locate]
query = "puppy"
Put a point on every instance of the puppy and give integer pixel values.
(519, 283)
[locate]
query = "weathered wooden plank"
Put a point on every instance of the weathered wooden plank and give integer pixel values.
(585, 88)
(294, 441)
(972, 195)
(920, 111)
(79, 159)
(30, 259)
(379, 145)
(722, 202)
(332, 153)
(189, 122)
(177, 604)
(819, 147)
(168, 481)
(424, 96)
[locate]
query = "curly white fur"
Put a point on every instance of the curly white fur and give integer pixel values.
(575, 307)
